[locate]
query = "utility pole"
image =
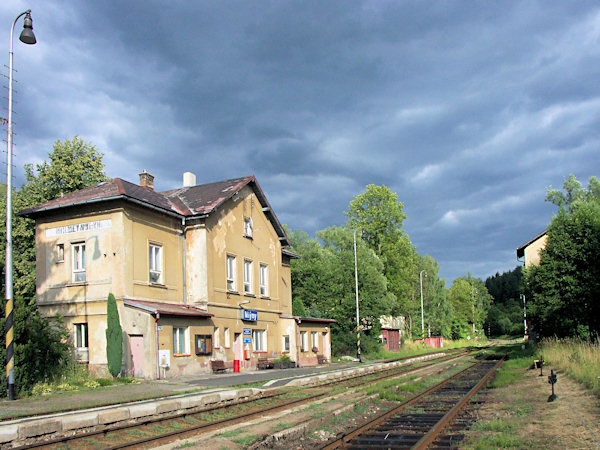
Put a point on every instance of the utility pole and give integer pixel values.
(356, 290)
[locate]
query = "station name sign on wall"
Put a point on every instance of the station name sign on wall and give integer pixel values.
(248, 314)
(78, 228)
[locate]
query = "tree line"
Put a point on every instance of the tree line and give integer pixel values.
(42, 345)
(563, 291)
(390, 271)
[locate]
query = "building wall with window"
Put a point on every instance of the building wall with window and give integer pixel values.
(190, 287)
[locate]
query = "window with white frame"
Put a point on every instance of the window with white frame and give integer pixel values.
(217, 340)
(78, 254)
(230, 273)
(155, 263)
(259, 340)
(286, 343)
(303, 341)
(264, 280)
(247, 276)
(80, 341)
(226, 338)
(81, 335)
(179, 340)
(248, 227)
(314, 340)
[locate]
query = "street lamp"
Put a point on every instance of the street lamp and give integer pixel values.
(26, 37)
(422, 315)
(473, 289)
(356, 291)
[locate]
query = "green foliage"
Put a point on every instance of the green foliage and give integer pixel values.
(41, 344)
(114, 337)
(565, 287)
(505, 315)
(323, 279)
(388, 274)
(298, 308)
(42, 347)
(73, 165)
(378, 213)
(470, 303)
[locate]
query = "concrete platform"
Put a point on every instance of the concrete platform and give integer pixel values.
(20, 430)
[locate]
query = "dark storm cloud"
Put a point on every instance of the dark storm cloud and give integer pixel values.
(467, 111)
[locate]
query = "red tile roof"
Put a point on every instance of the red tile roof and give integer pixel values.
(192, 201)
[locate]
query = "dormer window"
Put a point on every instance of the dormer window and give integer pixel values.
(248, 227)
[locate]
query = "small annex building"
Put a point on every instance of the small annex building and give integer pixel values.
(200, 273)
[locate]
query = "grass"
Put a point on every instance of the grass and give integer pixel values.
(245, 440)
(497, 425)
(410, 348)
(579, 359)
(499, 441)
(281, 426)
(229, 434)
(185, 445)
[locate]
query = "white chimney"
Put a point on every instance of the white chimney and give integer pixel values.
(189, 179)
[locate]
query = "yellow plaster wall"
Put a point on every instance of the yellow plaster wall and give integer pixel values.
(532, 251)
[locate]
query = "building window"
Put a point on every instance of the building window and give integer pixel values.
(179, 341)
(80, 340)
(259, 340)
(248, 276)
(60, 253)
(286, 343)
(264, 279)
(248, 227)
(216, 340)
(78, 251)
(314, 340)
(303, 341)
(203, 343)
(155, 263)
(226, 338)
(230, 273)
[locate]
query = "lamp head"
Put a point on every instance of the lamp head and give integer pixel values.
(27, 35)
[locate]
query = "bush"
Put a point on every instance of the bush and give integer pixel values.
(114, 337)
(42, 347)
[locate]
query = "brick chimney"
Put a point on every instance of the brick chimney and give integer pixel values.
(147, 180)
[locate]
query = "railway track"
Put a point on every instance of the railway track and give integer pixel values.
(162, 430)
(418, 423)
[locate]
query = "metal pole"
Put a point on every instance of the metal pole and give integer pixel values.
(524, 317)
(422, 314)
(473, 304)
(356, 290)
(10, 355)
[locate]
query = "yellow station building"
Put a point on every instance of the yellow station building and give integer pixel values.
(200, 273)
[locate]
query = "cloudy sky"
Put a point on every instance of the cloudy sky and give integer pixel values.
(467, 110)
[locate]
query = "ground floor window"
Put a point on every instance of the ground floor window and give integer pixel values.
(80, 340)
(259, 340)
(314, 341)
(203, 343)
(286, 343)
(226, 338)
(217, 340)
(179, 341)
(303, 341)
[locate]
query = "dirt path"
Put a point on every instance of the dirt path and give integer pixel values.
(520, 416)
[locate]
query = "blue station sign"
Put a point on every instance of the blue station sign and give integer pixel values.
(247, 331)
(249, 314)
(247, 340)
